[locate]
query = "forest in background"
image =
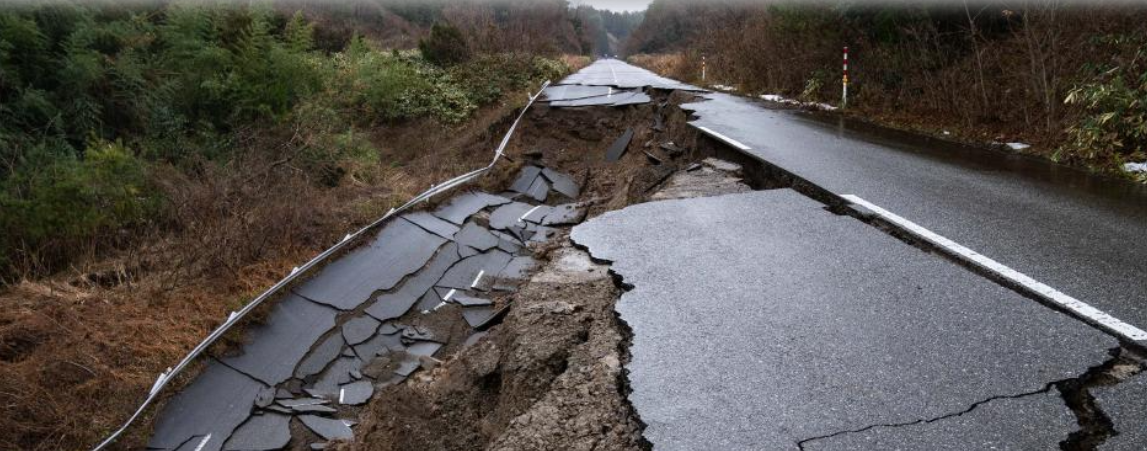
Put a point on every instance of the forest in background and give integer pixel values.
(1071, 79)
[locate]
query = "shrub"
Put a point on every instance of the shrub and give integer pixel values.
(55, 201)
(1113, 127)
(445, 46)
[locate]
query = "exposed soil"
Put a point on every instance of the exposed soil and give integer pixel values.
(93, 340)
(546, 378)
(551, 375)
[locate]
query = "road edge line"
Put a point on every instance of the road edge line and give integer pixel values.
(723, 138)
(1077, 308)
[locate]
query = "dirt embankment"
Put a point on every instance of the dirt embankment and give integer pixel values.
(551, 375)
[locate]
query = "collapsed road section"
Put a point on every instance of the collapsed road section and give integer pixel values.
(424, 284)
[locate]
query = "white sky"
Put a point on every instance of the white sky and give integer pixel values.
(615, 5)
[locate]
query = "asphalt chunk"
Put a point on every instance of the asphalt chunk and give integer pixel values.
(562, 183)
(509, 215)
(276, 346)
(394, 304)
(327, 428)
(359, 329)
(356, 393)
(266, 432)
(321, 356)
(398, 250)
(476, 236)
(476, 271)
(463, 206)
(617, 149)
(210, 408)
(432, 224)
(526, 179)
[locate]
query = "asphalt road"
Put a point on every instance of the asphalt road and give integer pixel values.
(762, 321)
(1083, 235)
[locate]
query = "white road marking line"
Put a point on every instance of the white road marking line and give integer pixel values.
(440, 305)
(523, 218)
(726, 139)
(342, 393)
(449, 294)
(1085, 311)
(203, 443)
(478, 279)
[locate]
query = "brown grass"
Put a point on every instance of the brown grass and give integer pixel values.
(79, 350)
(678, 66)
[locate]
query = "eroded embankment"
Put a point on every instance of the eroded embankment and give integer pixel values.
(550, 375)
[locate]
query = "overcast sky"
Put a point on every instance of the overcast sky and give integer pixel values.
(615, 5)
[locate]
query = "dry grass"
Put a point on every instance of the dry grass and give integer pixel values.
(79, 350)
(678, 66)
(575, 62)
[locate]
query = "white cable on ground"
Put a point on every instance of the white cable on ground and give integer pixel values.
(235, 317)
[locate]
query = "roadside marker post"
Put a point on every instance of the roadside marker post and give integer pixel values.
(844, 92)
(702, 68)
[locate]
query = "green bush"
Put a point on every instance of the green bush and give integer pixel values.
(445, 46)
(1113, 127)
(60, 200)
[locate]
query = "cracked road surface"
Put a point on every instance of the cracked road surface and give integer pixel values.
(1081, 234)
(762, 321)
(365, 321)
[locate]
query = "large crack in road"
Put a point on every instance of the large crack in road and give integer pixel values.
(743, 320)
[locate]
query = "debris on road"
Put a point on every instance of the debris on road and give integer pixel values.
(324, 362)
(617, 149)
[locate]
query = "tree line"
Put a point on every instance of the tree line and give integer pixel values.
(1069, 78)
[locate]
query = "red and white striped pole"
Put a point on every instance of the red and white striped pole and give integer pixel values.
(844, 93)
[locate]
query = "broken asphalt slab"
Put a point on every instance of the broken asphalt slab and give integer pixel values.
(266, 432)
(464, 206)
(327, 428)
(396, 303)
(398, 250)
(274, 348)
(617, 149)
(760, 320)
(210, 408)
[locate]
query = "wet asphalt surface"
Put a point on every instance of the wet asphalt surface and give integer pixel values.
(1081, 234)
(762, 321)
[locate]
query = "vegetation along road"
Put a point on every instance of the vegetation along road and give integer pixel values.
(687, 239)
